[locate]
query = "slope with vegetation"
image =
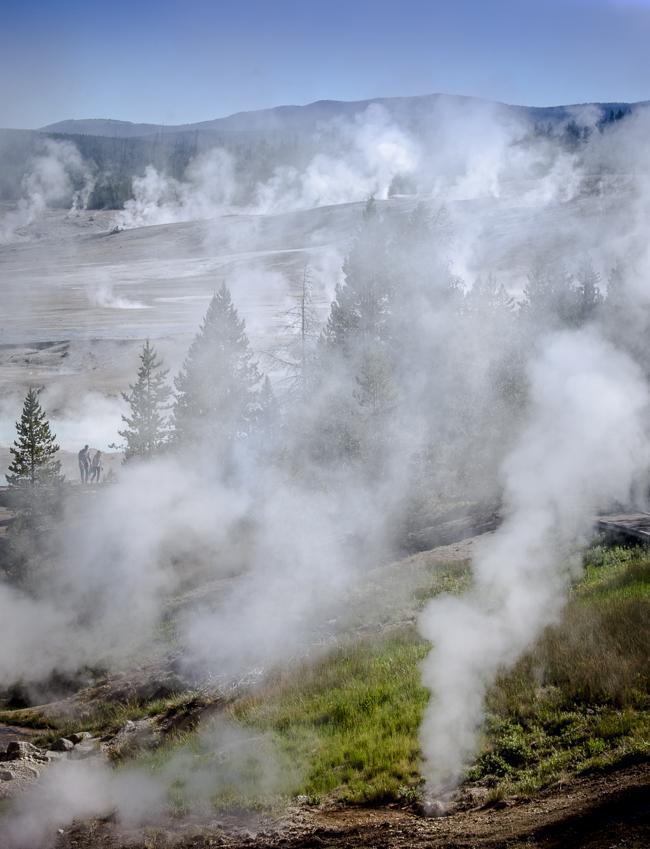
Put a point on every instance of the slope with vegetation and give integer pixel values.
(345, 727)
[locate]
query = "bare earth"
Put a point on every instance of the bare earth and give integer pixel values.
(586, 813)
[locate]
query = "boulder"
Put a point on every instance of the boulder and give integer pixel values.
(18, 749)
(77, 738)
(62, 745)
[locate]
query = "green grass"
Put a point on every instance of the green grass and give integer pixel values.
(393, 594)
(579, 701)
(25, 719)
(346, 726)
(105, 717)
(349, 722)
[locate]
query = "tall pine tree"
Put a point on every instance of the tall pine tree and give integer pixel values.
(589, 296)
(147, 431)
(358, 319)
(216, 390)
(550, 298)
(34, 474)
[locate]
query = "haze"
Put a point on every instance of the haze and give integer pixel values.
(447, 293)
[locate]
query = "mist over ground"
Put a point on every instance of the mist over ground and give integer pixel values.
(452, 311)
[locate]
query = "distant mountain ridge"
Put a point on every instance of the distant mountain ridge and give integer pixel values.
(288, 117)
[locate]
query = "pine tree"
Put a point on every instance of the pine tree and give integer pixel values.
(550, 298)
(34, 474)
(488, 300)
(216, 398)
(268, 416)
(616, 287)
(376, 396)
(146, 434)
(359, 315)
(589, 295)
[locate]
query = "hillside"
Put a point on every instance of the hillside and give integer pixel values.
(402, 109)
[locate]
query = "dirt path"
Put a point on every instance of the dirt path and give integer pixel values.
(589, 813)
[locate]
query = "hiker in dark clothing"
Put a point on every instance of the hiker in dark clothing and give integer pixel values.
(84, 463)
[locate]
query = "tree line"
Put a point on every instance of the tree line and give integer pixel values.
(414, 383)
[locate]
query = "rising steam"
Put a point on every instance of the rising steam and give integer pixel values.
(57, 177)
(584, 446)
(278, 537)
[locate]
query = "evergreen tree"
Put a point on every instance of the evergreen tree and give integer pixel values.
(34, 474)
(589, 295)
(615, 287)
(488, 300)
(550, 298)
(376, 396)
(359, 314)
(216, 397)
(268, 416)
(147, 431)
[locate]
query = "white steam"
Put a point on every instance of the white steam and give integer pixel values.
(376, 151)
(263, 563)
(459, 152)
(159, 199)
(584, 446)
(226, 757)
(57, 177)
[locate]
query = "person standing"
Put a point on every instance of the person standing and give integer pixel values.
(96, 467)
(84, 463)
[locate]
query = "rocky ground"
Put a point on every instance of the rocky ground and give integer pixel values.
(592, 812)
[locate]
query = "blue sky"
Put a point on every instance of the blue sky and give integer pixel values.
(180, 62)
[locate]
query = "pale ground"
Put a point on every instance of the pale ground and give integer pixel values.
(77, 301)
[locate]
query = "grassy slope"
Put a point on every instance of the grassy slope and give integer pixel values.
(579, 701)
(347, 724)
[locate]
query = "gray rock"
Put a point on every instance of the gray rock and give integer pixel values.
(77, 738)
(62, 745)
(50, 756)
(19, 749)
(85, 749)
(5, 775)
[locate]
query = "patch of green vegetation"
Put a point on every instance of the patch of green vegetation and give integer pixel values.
(350, 722)
(579, 701)
(24, 719)
(109, 717)
(393, 594)
(347, 725)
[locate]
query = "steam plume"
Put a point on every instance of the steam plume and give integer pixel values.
(51, 181)
(583, 447)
